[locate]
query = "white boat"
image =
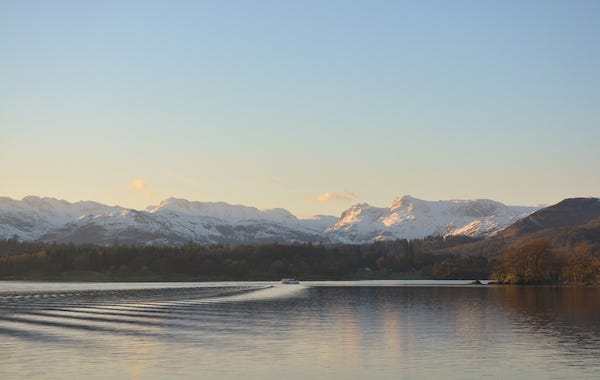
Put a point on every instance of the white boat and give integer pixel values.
(289, 281)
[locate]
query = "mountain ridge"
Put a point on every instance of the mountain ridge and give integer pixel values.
(176, 221)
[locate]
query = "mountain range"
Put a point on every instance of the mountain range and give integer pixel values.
(178, 221)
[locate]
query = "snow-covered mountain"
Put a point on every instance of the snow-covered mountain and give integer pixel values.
(32, 216)
(178, 221)
(412, 218)
(172, 222)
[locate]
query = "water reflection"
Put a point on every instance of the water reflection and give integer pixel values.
(567, 317)
(259, 331)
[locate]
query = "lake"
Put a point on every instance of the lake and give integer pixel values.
(315, 330)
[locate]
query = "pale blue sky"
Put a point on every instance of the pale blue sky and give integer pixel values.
(274, 103)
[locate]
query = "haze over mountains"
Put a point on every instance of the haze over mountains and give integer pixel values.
(178, 221)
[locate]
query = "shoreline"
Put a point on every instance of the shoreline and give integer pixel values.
(70, 278)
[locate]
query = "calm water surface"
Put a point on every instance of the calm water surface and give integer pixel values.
(319, 330)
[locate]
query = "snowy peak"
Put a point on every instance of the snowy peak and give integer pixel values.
(220, 210)
(478, 208)
(358, 215)
(45, 203)
(405, 201)
(53, 207)
(33, 216)
(412, 218)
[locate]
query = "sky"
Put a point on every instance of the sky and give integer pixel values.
(307, 105)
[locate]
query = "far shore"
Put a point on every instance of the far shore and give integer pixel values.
(147, 277)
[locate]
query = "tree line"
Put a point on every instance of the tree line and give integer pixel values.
(538, 262)
(387, 259)
(529, 263)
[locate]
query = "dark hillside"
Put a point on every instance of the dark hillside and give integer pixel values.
(567, 213)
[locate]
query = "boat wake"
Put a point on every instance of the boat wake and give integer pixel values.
(270, 292)
(71, 315)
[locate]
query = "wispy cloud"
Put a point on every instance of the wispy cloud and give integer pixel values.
(338, 196)
(141, 186)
